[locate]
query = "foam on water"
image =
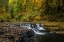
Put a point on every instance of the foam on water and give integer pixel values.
(39, 33)
(36, 29)
(39, 27)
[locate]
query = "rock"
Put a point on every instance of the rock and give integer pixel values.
(1, 32)
(15, 33)
(30, 33)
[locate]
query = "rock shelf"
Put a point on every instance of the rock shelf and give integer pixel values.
(11, 32)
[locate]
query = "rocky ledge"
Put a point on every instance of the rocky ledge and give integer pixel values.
(10, 32)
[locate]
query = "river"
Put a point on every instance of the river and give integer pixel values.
(43, 35)
(36, 33)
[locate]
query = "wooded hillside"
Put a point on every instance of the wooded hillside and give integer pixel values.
(31, 10)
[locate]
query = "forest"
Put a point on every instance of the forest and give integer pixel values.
(31, 10)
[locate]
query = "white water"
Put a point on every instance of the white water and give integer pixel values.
(36, 30)
(39, 33)
(39, 27)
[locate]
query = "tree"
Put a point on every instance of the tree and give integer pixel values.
(53, 9)
(18, 8)
(3, 6)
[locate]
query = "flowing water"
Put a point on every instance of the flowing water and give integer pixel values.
(42, 35)
(33, 33)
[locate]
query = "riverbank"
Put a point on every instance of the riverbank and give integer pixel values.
(10, 32)
(52, 26)
(57, 27)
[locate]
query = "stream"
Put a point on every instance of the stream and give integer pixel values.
(42, 35)
(28, 32)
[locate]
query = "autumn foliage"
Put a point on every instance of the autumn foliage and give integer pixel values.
(31, 10)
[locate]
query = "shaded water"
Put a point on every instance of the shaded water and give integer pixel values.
(50, 38)
(45, 36)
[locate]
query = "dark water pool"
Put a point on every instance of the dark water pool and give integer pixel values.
(50, 37)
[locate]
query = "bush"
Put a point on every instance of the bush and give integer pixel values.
(8, 17)
(2, 19)
(5, 18)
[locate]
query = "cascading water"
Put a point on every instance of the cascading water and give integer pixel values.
(39, 27)
(33, 33)
(36, 28)
(37, 32)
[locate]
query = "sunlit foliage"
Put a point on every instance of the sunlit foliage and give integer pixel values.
(31, 10)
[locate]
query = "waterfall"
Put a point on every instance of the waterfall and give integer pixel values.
(39, 27)
(35, 27)
(38, 32)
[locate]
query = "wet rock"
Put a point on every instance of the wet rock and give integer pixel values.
(30, 33)
(14, 33)
(1, 32)
(17, 24)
